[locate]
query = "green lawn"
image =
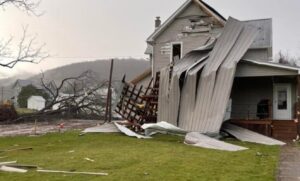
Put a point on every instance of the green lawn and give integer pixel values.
(22, 111)
(124, 158)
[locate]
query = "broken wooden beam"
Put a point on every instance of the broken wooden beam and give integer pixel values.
(68, 172)
(17, 149)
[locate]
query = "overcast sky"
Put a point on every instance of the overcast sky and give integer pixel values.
(81, 30)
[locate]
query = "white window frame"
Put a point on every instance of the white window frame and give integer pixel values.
(181, 49)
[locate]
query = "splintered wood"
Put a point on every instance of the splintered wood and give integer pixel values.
(138, 105)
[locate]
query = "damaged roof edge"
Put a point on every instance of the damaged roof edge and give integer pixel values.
(272, 64)
(202, 4)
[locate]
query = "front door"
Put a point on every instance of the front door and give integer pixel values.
(282, 105)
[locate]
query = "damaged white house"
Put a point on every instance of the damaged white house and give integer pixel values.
(214, 69)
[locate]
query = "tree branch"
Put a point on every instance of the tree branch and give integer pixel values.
(26, 51)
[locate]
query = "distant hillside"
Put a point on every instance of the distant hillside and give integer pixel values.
(6, 82)
(130, 67)
(101, 68)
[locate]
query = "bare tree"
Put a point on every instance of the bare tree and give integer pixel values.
(286, 59)
(28, 6)
(84, 97)
(27, 49)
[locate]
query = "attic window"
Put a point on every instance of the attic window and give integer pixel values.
(176, 52)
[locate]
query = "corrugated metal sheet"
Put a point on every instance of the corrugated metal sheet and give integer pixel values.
(249, 136)
(202, 103)
(188, 95)
(215, 83)
(225, 78)
(163, 98)
(169, 103)
(203, 141)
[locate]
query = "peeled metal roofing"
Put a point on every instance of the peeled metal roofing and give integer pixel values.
(170, 92)
(203, 141)
(202, 102)
(225, 78)
(273, 64)
(188, 95)
(163, 98)
(249, 136)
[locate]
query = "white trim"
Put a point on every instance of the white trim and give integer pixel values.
(273, 65)
(181, 49)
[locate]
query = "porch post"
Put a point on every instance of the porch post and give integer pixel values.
(298, 105)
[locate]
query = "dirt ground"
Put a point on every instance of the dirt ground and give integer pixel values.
(45, 127)
(289, 166)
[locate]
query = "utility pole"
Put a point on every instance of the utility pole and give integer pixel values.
(2, 95)
(109, 93)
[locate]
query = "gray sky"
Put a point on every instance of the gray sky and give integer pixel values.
(81, 30)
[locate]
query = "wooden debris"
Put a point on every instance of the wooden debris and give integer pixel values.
(11, 169)
(90, 160)
(17, 149)
(67, 172)
(138, 105)
(23, 166)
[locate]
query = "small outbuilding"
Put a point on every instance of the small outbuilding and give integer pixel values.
(36, 103)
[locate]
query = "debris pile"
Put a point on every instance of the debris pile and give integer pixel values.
(138, 105)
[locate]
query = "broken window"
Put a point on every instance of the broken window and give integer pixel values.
(176, 52)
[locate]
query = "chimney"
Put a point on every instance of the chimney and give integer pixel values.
(157, 22)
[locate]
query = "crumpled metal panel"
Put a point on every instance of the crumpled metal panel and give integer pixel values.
(203, 141)
(188, 95)
(169, 101)
(207, 82)
(163, 98)
(202, 103)
(249, 136)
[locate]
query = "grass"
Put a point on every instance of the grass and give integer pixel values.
(21, 111)
(124, 158)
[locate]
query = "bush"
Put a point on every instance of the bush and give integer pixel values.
(29, 91)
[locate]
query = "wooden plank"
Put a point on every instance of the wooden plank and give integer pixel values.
(67, 172)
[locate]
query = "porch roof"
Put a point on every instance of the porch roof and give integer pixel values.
(255, 68)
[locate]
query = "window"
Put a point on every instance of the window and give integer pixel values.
(282, 100)
(176, 52)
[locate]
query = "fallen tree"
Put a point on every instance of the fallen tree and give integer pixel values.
(74, 97)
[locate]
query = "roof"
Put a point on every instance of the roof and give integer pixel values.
(142, 76)
(264, 38)
(22, 83)
(204, 6)
(36, 98)
(273, 64)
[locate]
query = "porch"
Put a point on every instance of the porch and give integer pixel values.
(267, 105)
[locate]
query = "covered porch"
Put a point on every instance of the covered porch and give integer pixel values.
(265, 99)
